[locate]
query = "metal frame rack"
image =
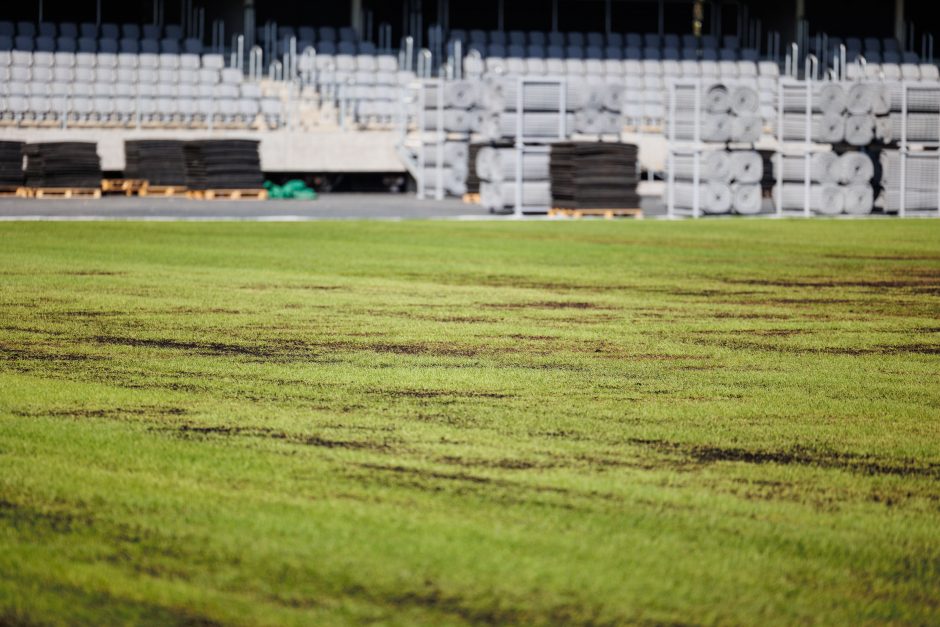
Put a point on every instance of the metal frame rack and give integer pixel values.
(806, 148)
(695, 148)
(525, 144)
(904, 152)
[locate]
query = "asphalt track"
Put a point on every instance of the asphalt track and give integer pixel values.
(327, 207)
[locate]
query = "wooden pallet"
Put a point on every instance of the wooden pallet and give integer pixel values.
(472, 199)
(127, 187)
(14, 192)
(64, 192)
(604, 213)
(230, 194)
(167, 191)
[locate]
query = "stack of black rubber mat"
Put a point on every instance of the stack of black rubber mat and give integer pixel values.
(11, 164)
(223, 164)
(63, 165)
(159, 162)
(594, 175)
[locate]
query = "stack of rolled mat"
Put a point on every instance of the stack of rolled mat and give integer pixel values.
(11, 164)
(223, 164)
(855, 114)
(728, 181)
(921, 180)
(159, 162)
(72, 165)
(457, 110)
(838, 183)
(446, 165)
(727, 114)
(496, 168)
(594, 175)
(923, 105)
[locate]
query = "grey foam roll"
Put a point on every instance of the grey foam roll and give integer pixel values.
(747, 166)
(855, 168)
(746, 198)
(717, 99)
(922, 171)
(716, 128)
(454, 153)
(827, 98)
(545, 125)
(502, 195)
(746, 128)
(499, 165)
(859, 199)
(744, 100)
(461, 94)
(859, 99)
(860, 129)
(825, 128)
(825, 199)
(914, 199)
(453, 120)
(714, 197)
(823, 167)
(501, 94)
(454, 182)
(613, 96)
(920, 126)
(918, 100)
(714, 165)
(881, 99)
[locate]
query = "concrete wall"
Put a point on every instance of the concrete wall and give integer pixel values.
(281, 151)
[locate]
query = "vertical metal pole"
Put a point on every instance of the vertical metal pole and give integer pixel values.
(97, 12)
(780, 146)
(670, 155)
(554, 16)
(807, 146)
(899, 30)
(608, 16)
(902, 179)
(421, 130)
(500, 15)
(439, 193)
(520, 146)
(696, 151)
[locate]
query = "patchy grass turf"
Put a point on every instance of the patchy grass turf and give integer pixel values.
(446, 423)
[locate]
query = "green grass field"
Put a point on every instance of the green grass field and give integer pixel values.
(731, 422)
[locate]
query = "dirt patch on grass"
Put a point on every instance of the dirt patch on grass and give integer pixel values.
(556, 304)
(424, 394)
(925, 282)
(92, 273)
(188, 430)
(796, 456)
(107, 413)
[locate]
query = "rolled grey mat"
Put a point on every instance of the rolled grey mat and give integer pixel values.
(454, 120)
(881, 99)
(859, 199)
(501, 94)
(746, 128)
(717, 99)
(744, 100)
(823, 167)
(714, 198)
(825, 199)
(454, 153)
(454, 183)
(746, 198)
(922, 171)
(503, 195)
(590, 121)
(825, 128)
(860, 129)
(920, 126)
(747, 166)
(883, 129)
(918, 100)
(499, 165)
(914, 199)
(613, 96)
(714, 165)
(716, 127)
(859, 99)
(461, 94)
(544, 125)
(827, 98)
(855, 168)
